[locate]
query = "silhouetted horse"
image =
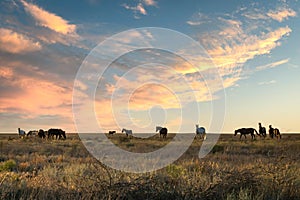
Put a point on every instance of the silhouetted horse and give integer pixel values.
(274, 132)
(162, 131)
(246, 131)
(58, 133)
(111, 132)
(42, 133)
(262, 130)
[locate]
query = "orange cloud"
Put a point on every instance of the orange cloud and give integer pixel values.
(49, 20)
(281, 14)
(14, 42)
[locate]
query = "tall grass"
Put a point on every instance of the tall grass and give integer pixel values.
(49, 169)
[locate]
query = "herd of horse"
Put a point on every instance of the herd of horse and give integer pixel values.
(163, 132)
(52, 133)
(273, 132)
(201, 132)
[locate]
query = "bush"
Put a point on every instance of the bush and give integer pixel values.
(8, 165)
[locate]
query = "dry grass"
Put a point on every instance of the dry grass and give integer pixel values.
(41, 169)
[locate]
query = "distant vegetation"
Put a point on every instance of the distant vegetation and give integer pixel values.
(34, 168)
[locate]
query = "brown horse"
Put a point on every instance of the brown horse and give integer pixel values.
(274, 132)
(262, 130)
(246, 131)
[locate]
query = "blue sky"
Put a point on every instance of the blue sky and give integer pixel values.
(254, 45)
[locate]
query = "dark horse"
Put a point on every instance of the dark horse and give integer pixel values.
(163, 132)
(111, 132)
(58, 133)
(262, 130)
(245, 131)
(274, 132)
(41, 133)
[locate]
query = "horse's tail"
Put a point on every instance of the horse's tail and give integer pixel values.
(256, 131)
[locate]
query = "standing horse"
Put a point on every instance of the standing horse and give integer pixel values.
(245, 131)
(21, 132)
(262, 130)
(111, 132)
(162, 131)
(201, 131)
(41, 133)
(58, 133)
(128, 132)
(274, 132)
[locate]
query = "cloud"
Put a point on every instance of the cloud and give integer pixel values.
(150, 2)
(136, 9)
(271, 65)
(140, 8)
(267, 82)
(49, 20)
(281, 14)
(14, 42)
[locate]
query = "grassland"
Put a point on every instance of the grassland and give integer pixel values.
(33, 168)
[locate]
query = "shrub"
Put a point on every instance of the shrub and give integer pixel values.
(8, 165)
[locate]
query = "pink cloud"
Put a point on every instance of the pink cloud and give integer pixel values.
(14, 42)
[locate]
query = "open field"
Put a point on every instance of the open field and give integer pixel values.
(33, 168)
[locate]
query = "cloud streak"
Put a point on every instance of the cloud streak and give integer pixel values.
(49, 20)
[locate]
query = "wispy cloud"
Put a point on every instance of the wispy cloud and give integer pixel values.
(271, 65)
(13, 42)
(140, 8)
(281, 14)
(267, 82)
(49, 20)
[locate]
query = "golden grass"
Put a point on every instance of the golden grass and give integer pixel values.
(54, 169)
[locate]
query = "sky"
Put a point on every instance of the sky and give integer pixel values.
(250, 48)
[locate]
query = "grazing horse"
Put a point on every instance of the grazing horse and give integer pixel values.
(262, 130)
(201, 131)
(58, 133)
(274, 132)
(111, 132)
(127, 132)
(162, 131)
(245, 131)
(32, 133)
(41, 133)
(21, 132)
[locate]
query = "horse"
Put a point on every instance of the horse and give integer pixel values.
(111, 132)
(21, 133)
(162, 131)
(245, 131)
(58, 133)
(128, 132)
(274, 132)
(201, 131)
(32, 133)
(41, 133)
(262, 130)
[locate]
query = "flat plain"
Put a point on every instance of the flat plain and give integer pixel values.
(264, 168)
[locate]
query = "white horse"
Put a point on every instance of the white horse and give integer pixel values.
(201, 131)
(22, 133)
(128, 132)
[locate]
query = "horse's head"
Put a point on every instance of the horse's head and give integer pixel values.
(197, 126)
(123, 130)
(235, 132)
